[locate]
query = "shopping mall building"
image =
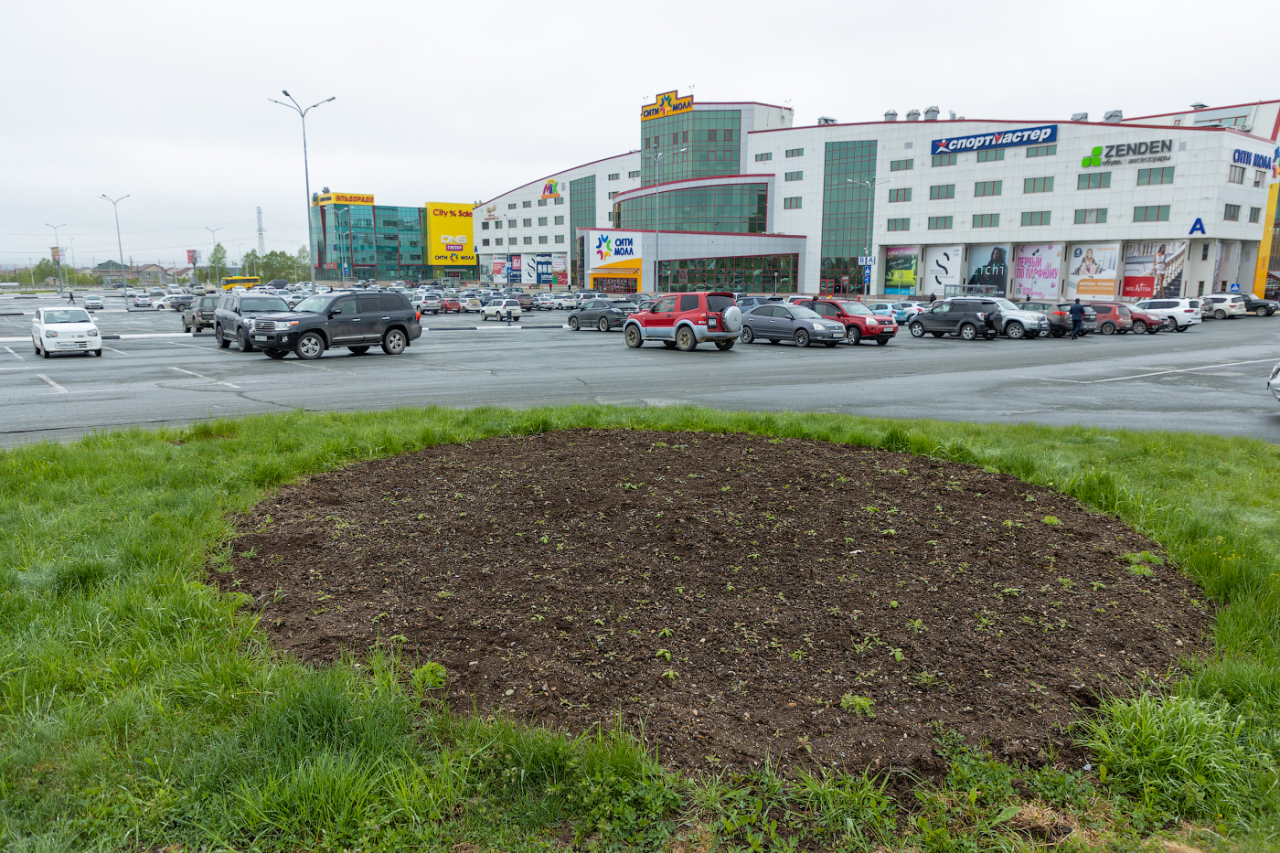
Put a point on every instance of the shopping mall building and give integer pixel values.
(354, 239)
(731, 195)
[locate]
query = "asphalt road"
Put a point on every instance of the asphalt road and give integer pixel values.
(1210, 379)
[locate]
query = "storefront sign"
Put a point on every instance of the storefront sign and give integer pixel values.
(491, 213)
(342, 198)
(609, 247)
(1091, 270)
(1248, 158)
(988, 270)
(1001, 139)
(943, 268)
(1153, 270)
(666, 104)
(551, 189)
(1155, 151)
(901, 264)
(1037, 270)
(449, 233)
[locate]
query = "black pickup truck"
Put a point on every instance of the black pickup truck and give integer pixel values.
(356, 321)
(1255, 305)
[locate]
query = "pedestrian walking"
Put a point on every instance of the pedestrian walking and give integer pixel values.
(1077, 319)
(71, 297)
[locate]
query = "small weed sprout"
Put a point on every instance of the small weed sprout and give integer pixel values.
(860, 706)
(663, 653)
(1051, 520)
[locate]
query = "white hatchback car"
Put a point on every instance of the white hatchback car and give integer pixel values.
(1224, 305)
(57, 330)
(1178, 314)
(502, 309)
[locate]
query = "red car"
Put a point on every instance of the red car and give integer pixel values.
(1113, 317)
(448, 304)
(684, 320)
(1144, 322)
(859, 320)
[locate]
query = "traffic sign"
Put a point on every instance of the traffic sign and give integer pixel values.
(866, 276)
(1235, 287)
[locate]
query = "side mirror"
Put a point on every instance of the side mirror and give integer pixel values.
(333, 312)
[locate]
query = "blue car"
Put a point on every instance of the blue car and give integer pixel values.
(887, 309)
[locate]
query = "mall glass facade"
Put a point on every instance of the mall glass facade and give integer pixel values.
(375, 242)
(582, 215)
(735, 209)
(848, 212)
(712, 137)
(754, 274)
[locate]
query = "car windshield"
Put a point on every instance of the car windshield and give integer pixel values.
(312, 304)
(855, 308)
(67, 315)
(802, 313)
(264, 303)
(1005, 305)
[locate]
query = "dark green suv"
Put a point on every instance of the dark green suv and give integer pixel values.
(356, 321)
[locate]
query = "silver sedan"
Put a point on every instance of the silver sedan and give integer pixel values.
(776, 322)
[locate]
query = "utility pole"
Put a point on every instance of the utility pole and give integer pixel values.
(124, 285)
(293, 105)
(262, 245)
(213, 234)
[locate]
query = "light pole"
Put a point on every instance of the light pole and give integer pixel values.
(57, 252)
(871, 188)
(657, 211)
(119, 243)
(306, 171)
(213, 241)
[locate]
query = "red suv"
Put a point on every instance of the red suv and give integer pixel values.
(684, 320)
(859, 320)
(1113, 317)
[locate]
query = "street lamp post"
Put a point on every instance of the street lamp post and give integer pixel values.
(871, 188)
(306, 170)
(119, 243)
(57, 247)
(657, 210)
(213, 242)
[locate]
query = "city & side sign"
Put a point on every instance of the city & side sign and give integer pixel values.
(666, 104)
(999, 139)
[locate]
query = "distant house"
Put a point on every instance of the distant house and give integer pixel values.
(152, 275)
(111, 272)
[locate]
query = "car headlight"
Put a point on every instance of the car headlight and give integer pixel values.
(93, 333)
(50, 333)
(819, 326)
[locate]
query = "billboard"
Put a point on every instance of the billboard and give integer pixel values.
(1037, 269)
(341, 198)
(613, 249)
(999, 139)
(666, 104)
(513, 269)
(901, 264)
(1091, 270)
(943, 268)
(1153, 269)
(449, 234)
(529, 270)
(988, 270)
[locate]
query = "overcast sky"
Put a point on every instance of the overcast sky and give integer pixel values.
(462, 101)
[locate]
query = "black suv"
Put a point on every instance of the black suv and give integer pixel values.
(199, 314)
(235, 313)
(969, 317)
(356, 321)
(1255, 305)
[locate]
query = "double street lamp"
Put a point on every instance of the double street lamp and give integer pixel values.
(306, 171)
(119, 242)
(657, 211)
(866, 248)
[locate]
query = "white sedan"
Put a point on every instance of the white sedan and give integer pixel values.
(65, 330)
(502, 309)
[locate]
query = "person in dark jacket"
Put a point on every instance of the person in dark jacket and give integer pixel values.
(1077, 319)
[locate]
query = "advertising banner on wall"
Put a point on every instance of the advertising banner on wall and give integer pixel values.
(1037, 269)
(613, 249)
(988, 270)
(513, 269)
(1153, 269)
(530, 269)
(560, 268)
(1091, 271)
(901, 268)
(449, 234)
(499, 264)
(999, 139)
(943, 268)
(542, 269)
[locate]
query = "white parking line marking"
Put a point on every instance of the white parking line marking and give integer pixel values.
(61, 390)
(206, 378)
(14, 354)
(315, 366)
(113, 349)
(1158, 372)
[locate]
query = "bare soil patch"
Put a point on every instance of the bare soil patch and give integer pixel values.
(737, 597)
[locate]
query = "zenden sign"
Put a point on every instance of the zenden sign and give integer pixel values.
(1000, 139)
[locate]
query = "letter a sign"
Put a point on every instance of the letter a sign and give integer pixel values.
(1197, 226)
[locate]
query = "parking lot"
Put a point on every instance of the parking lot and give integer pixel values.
(1209, 379)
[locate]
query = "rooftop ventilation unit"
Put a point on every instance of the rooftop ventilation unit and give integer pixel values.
(953, 115)
(913, 115)
(1113, 116)
(931, 113)
(826, 120)
(1079, 116)
(891, 115)
(1199, 106)
(324, 190)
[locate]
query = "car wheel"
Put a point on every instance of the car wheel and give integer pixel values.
(1184, 328)
(97, 353)
(1108, 329)
(573, 324)
(881, 342)
(853, 335)
(245, 344)
(1057, 333)
(360, 350)
(1219, 314)
(685, 341)
(45, 353)
(1139, 327)
(801, 338)
(725, 346)
(35, 346)
(186, 329)
(1170, 324)
(1015, 330)
(394, 342)
(633, 336)
(309, 346)
(968, 332)
(746, 335)
(277, 354)
(917, 330)
(223, 343)
(603, 325)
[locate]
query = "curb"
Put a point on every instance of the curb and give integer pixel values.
(499, 327)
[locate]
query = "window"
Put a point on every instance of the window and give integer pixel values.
(1151, 177)
(939, 223)
(1042, 150)
(794, 176)
(528, 223)
(484, 242)
(983, 189)
(511, 206)
(542, 220)
(1035, 217)
(1236, 176)
(528, 204)
(792, 202)
(1093, 181)
(498, 242)
(1151, 213)
(795, 152)
(542, 202)
(511, 223)
(559, 200)
(1254, 213)
(900, 194)
(728, 136)
(1091, 216)
(559, 220)
(675, 139)
(1204, 252)
(497, 225)
(542, 241)
(991, 156)
(900, 165)
(484, 226)
(684, 137)
(634, 174)
(711, 135)
(768, 155)
(528, 241)
(1231, 213)
(944, 159)
(899, 224)
(986, 220)
(1037, 185)
(614, 193)
(559, 238)
(939, 191)
(613, 176)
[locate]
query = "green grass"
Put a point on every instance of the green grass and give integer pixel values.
(140, 708)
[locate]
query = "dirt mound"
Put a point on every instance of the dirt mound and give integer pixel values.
(739, 597)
